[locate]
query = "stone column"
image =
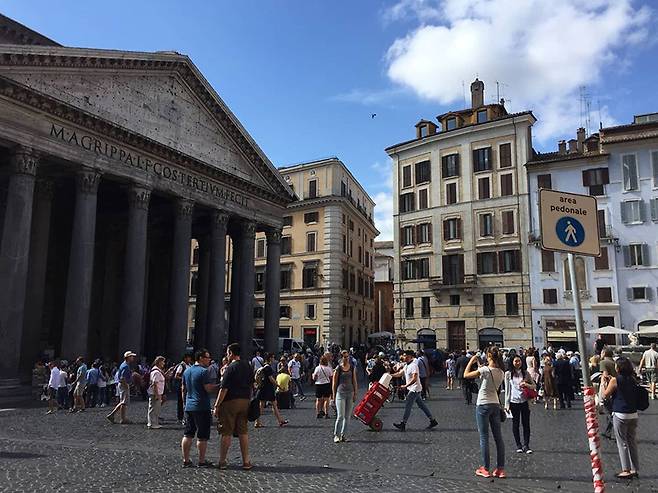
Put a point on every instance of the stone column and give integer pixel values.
(201, 317)
(216, 323)
(180, 279)
(131, 322)
(247, 285)
(75, 331)
(272, 290)
(36, 281)
(14, 250)
(234, 308)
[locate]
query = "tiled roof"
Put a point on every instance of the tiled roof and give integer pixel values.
(552, 157)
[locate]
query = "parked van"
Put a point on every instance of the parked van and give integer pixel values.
(289, 345)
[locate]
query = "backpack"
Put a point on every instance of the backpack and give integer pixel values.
(259, 378)
(641, 398)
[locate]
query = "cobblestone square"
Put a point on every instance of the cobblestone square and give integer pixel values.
(83, 452)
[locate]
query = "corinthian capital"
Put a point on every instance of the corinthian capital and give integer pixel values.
(248, 229)
(273, 236)
(219, 219)
(184, 207)
(88, 181)
(24, 160)
(139, 197)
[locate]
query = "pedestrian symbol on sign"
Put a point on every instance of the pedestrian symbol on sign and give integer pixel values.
(570, 231)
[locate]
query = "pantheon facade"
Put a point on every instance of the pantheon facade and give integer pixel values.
(110, 163)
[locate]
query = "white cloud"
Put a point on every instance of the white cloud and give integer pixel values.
(383, 200)
(543, 51)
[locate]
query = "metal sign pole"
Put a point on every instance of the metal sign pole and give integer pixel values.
(589, 401)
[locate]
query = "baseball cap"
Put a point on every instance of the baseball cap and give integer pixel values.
(128, 354)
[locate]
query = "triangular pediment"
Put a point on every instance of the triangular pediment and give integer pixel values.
(160, 96)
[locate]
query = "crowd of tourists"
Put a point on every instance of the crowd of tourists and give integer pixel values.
(507, 383)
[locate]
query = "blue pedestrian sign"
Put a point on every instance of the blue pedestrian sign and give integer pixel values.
(570, 231)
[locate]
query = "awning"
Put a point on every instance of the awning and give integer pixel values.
(381, 335)
(608, 329)
(561, 335)
(648, 330)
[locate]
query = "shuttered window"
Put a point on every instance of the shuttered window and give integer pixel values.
(423, 172)
(544, 181)
(550, 296)
(505, 153)
(452, 229)
(547, 261)
(508, 223)
(407, 202)
(484, 188)
(602, 263)
(450, 165)
(506, 185)
(406, 176)
(482, 159)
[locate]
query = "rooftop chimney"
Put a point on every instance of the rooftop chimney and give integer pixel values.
(477, 93)
(580, 135)
(573, 146)
(562, 147)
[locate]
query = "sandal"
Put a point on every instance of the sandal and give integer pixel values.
(206, 463)
(188, 464)
(624, 475)
(247, 467)
(283, 423)
(258, 425)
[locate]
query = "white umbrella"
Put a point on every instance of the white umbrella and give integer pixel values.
(648, 330)
(608, 329)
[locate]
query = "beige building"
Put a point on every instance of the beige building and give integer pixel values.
(460, 244)
(327, 260)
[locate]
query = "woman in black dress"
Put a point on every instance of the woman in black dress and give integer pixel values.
(266, 390)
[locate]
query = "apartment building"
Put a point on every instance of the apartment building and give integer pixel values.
(327, 258)
(460, 241)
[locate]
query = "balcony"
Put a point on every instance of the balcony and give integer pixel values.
(465, 283)
(607, 234)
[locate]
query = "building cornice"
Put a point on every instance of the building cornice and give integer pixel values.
(330, 200)
(26, 96)
(77, 58)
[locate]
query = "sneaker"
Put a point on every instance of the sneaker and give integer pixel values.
(343, 438)
(154, 427)
(499, 473)
(336, 439)
(302, 398)
(520, 450)
(432, 424)
(481, 471)
(400, 426)
(528, 450)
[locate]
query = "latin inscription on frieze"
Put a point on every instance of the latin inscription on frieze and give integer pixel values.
(132, 159)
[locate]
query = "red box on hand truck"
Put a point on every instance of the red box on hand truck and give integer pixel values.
(370, 405)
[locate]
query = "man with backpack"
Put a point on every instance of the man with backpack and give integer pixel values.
(177, 385)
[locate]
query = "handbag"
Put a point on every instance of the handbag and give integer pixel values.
(528, 393)
(253, 413)
(501, 411)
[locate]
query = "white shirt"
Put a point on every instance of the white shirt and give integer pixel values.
(294, 367)
(322, 375)
(157, 380)
(54, 381)
(62, 378)
(650, 359)
(409, 370)
(491, 379)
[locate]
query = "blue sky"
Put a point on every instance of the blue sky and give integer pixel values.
(304, 77)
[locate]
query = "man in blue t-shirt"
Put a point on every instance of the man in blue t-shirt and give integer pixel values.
(124, 377)
(196, 386)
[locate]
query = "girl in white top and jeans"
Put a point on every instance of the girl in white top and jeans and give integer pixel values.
(322, 378)
(516, 380)
(487, 409)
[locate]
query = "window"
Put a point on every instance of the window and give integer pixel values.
(455, 300)
(195, 256)
(286, 245)
(351, 225)
(352, 282)
(415, 269)
(581, 274)
(601, 263)
(310, 311)
(505, 155)
(509, 261)
(424, 233)
(544, 181)
(638, 293)
(506, 185)
(194, 282)
(488, 304)
(312, 189)
(285, 311)
(487, 263)
(423, 172)
(632, 211)
(636, 254)
(600, 216)
(450, 165)
(482, 159)
(484, 188)
(482, 116)
(311, 217)
(343, 189)
(407, 235)
(344, 244)
(260, 282)
(259, 312)
(604, 295)
(629, 172)
(486, 225)
(287, 221)
(508, 223)
(654, 209)
(425, 307)
(360, 254)
(309, 276)
(453, 269)
(654, 166)
(422, 199)
(597, 190)
(346, 281)
(512, 303)
(286, 279)
(406, 176)
(550, 296)
(407, 202)
(451, 123)
(260, 248)
(547, 261)
(595, 180)
(452, 229)
(451, 193)
(423, 268)
(310, 242)
(409, 308)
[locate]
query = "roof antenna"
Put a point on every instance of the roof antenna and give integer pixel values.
(464, 92)
(497, 91)
(598, 102)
